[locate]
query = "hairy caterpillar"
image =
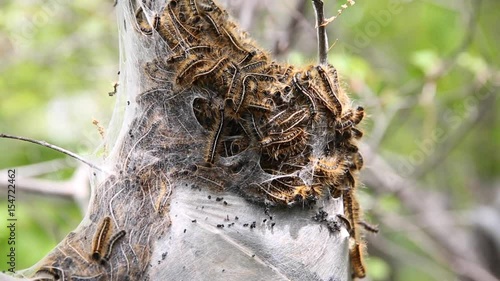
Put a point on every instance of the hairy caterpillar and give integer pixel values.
(282, 112)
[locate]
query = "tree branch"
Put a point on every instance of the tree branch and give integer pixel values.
(54, 147)
(321, 31)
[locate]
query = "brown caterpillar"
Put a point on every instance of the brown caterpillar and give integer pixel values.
(110, 245)
(101, 236)
(357, 260)
(332, 89)
(214, 140)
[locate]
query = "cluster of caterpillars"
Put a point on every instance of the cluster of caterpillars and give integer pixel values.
(294, 117)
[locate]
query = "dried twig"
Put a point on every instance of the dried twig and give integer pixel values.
(76, 188)
(54, 147)
(321, 31)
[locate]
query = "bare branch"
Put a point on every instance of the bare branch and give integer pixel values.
(54, 147)
(321, 31)
(77, 188)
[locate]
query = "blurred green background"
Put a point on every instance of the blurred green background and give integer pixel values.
(427, 73)
(59, 60)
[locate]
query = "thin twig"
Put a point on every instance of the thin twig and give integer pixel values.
(51, 146)
(321, 31)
